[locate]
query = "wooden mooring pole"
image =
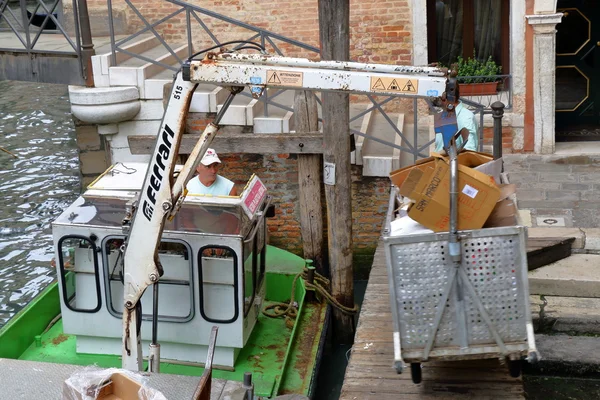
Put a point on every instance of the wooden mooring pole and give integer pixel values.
(334, 28)
(309, 179)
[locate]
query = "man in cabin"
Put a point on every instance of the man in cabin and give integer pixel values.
(464, 119)
(208, 181)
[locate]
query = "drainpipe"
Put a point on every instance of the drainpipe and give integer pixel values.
(87, 46)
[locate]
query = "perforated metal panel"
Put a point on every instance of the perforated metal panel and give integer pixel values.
(494, 264)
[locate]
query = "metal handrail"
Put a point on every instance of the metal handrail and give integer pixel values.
(23, 27)
(479, 104)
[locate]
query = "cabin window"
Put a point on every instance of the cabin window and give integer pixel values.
(175, 288)
(218, 272)
(78, 273)
(463, 27)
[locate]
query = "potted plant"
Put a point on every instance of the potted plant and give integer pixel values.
(476, 77)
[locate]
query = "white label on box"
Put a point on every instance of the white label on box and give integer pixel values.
(470, 191)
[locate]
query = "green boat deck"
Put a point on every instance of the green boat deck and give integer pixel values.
(281, 359)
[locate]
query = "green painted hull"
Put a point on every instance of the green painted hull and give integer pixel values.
(282, 359)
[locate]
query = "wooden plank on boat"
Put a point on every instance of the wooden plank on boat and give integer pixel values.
(370, 374)
(544, 251)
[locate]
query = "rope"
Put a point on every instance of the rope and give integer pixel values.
(290, 310)
(8, 152)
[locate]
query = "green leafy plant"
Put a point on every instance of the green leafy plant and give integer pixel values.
(477, 71)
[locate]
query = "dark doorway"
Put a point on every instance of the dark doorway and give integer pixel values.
(578, 71)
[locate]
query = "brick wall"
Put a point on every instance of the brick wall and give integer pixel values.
(380, 29)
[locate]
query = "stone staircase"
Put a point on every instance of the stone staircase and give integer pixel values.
(376, 157)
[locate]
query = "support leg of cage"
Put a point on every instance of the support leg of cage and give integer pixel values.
(483, 312)
(438, 315)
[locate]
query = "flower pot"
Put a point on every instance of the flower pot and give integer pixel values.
(478, 89)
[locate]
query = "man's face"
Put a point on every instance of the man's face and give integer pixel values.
(208, 173)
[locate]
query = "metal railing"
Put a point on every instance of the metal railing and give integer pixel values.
(33, 19)
(478, 103)
(29, 25)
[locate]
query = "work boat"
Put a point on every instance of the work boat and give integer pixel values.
(218, 271)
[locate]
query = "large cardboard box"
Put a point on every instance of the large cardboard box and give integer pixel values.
(429, 188)
(118, 387)
(479, 161)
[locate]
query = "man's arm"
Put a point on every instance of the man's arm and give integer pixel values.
(233, 191)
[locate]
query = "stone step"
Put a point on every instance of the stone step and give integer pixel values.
(101, 63)
(278, 120)
(377, 157)
(574, 276)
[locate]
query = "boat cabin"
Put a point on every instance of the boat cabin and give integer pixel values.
(213, 256)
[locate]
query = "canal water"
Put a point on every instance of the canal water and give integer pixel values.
(36, 126)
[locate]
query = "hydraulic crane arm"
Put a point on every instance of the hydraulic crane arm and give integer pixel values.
(161, 195)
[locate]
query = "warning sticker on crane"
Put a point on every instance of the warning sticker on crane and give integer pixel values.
(285, 78)
(394, 85)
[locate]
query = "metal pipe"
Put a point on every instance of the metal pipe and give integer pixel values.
(111, 30)
(248, 386)
(154, 353)
(497, 114)
(87, 46)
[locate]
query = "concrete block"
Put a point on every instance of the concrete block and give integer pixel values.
(200, 102)
(592, 239)
(574, 276)
(101, 81)
(376, 166)
(150, 110)
(123, 76)
(97, 66)
(268, 125)
(235, 115)
(544, 232)
(87, 138)
(93, 162)
(153, 88)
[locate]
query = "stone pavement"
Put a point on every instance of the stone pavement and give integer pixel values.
(560, 190)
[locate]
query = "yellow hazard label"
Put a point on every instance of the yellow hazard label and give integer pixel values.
(285, 78)
(394, 85)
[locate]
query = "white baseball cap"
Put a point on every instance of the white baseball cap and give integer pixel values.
(210, 157)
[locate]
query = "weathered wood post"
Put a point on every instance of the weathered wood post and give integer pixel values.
(334, 23)
(309, 179)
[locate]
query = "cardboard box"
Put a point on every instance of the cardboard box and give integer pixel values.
(429, 187)
(472, 159)
(505, 211)
(119, 387)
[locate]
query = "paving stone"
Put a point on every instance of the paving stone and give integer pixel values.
(562, 195)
